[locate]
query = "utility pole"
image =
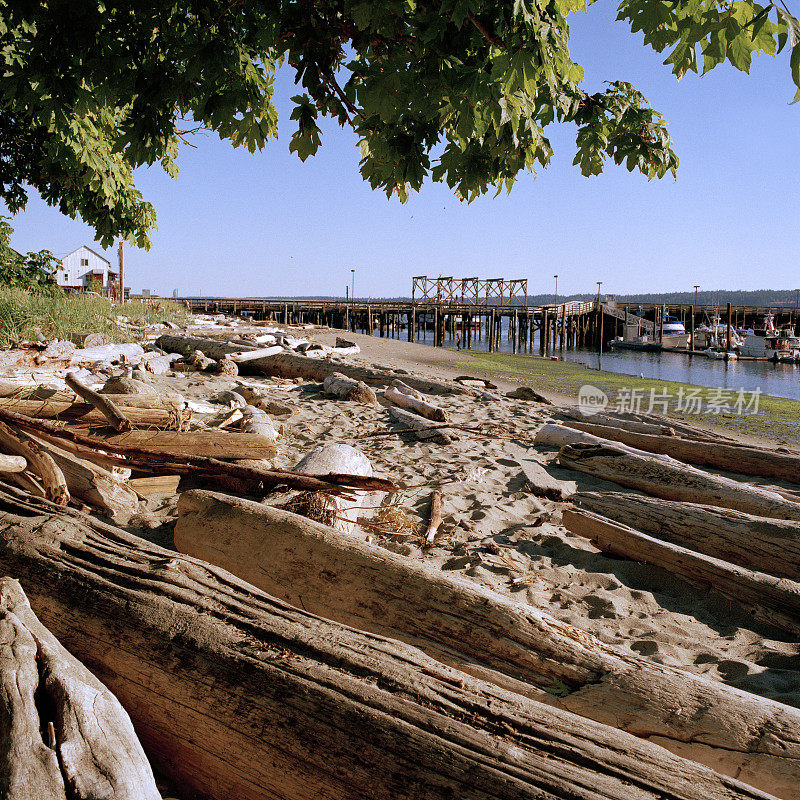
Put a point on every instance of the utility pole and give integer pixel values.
(353, 288)
(121, 276)
(599, 328)
(555, 299)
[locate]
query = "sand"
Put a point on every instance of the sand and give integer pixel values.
(496, 532)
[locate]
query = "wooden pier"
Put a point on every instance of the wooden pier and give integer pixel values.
(574, 324)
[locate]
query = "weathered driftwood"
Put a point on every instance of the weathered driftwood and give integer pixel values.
(770, 600)
(730, 457)
(662, 476)
(162, 414)
(338, 385)
(624, 424)
(291, 365)
(93, 484)
(198, 466)
(125, 385)
(39, 461)
(84, 340)
(236, 694)
(412, 403)
(434, 516)
(92, 752)
(340, 513)
(411, 392)
(106, 407)
(12, 463)
(215, 444)
(127, 351)
(260, 352)
(422, 428)
(528, 393)
(659, 475)
(539, 477)
(344, 578)
(768, 545)
(155, 485)
(213, 348)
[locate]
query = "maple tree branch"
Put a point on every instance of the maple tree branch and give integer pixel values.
(492, 38)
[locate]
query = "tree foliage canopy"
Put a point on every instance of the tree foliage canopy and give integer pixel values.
(460, 91)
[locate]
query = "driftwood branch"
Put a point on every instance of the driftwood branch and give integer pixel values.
(106, 407)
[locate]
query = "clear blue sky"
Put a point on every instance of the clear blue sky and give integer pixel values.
(237, 225)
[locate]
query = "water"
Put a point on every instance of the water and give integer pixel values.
(778, 380)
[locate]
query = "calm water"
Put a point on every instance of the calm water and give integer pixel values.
(779, 380)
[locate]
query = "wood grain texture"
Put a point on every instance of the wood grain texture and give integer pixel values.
(237, 695)
(344, 578)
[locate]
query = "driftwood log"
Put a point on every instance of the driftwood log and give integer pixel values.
(257, 421)
(729, 457)
(38, 460)
(771, 601)
(237, 695)
(338, 385)
(422, 429)
(213, 348)
(412, 403)
(261, 352)
(101, 402)
(127, 351)
(213, 469)
(660, 476)
(211, 443)
(12, 463)
(90, 750)
(609, 420)
(760, 543)
(291, 365)
(341, 513)
(519, 647)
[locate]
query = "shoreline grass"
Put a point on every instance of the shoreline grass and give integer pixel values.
(22, 314)
(777, 418)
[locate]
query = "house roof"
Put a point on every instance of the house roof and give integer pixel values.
(86, 247)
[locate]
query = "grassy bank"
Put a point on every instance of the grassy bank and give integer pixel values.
(777, 418)
(22, 314)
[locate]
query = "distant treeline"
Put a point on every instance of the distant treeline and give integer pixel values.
(756, 297)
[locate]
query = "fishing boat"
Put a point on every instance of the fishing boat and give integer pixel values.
(770, 343)
(673, 333)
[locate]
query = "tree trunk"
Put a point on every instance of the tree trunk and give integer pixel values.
(92, 752)
(215, 444)
(421, 407)
(768, 545)
(237, 695)
(729, 457)
(772, 601)
(338, 385)
(484, 633)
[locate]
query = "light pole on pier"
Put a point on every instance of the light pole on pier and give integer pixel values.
(555, 297)
(696, 287)
(353, 287)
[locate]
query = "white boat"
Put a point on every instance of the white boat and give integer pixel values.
(721, 354)
(770, 343)
(673, 333)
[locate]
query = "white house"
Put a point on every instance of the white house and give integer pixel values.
(82, 266)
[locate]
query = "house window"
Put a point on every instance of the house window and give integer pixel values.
(84, 262)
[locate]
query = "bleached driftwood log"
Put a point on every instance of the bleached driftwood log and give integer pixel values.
(341, 513)
(39, 462)
(342, 577)
(338, 385)
(213, 348)
(292, 365)
(101, 402)
(772, 601)
(93, 752)
(662, 476)
(235, 694)
(624, 424)
(261, 352)
(412, 403)
(729, 457)
(768, 545)
(127, 351)
(422, 428)
(410, 391)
